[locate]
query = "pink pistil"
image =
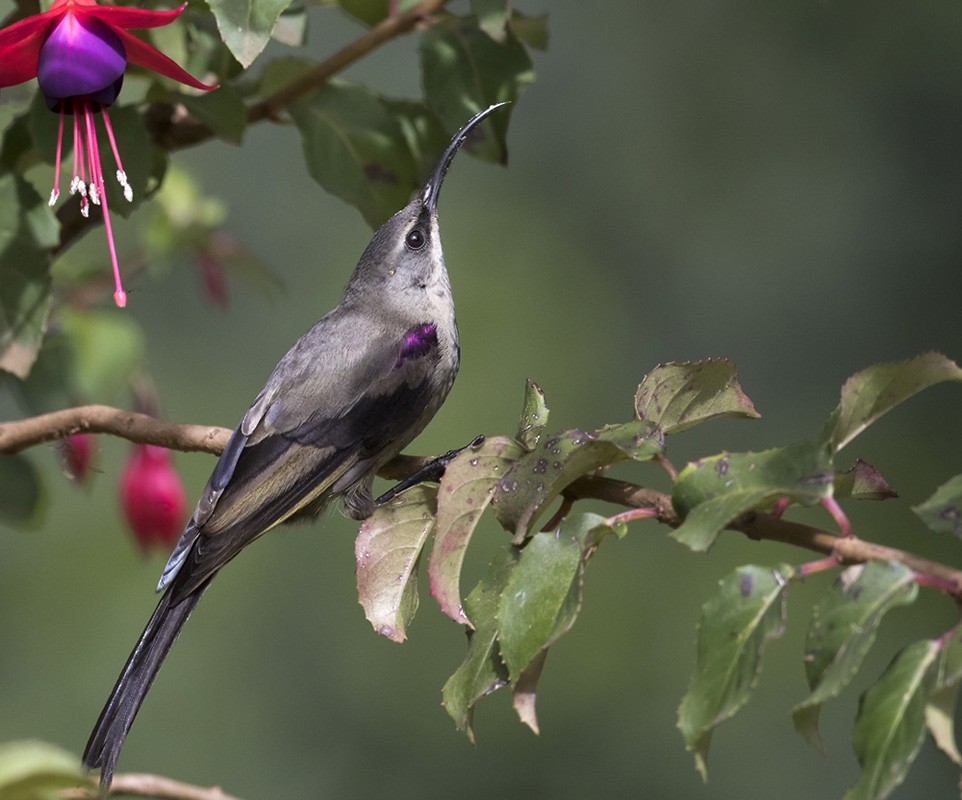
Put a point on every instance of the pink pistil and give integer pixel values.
(88, 176)
(55, 193)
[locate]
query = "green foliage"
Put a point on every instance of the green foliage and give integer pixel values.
(37, 771)
(745, 613)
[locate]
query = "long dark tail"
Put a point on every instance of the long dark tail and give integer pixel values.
(103, 746)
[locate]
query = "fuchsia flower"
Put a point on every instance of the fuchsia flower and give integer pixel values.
(152, 497)
(78, 52)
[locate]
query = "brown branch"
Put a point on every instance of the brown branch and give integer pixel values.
(22, 434)
(140, 428)
(156, 786)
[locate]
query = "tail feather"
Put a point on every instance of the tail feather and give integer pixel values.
(107, 738)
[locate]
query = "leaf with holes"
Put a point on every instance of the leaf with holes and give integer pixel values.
(466, 490)
(678, 396)
(387, 551)
(537, 478)
(711, 492)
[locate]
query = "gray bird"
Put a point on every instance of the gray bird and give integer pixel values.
(344, 400)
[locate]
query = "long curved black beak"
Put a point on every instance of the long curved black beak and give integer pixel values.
(429, 194)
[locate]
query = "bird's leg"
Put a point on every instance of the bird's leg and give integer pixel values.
(432, 471)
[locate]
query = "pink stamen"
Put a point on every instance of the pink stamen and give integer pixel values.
(121, 175)
(97, 179)
(55, 193)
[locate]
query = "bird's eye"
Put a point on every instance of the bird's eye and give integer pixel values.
(415, 239)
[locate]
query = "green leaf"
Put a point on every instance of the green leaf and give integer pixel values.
(465, 71)
(422, 131)
(532, 31)
(744, 614)
(482, 671)
(869, 394)
(940, 710)
(465, 491)
(863, 482)
(536, 479)
(28, 229)
(355, 149)
(222, 110)
(21, 491)
(711, 492)
(369, 12)
(890, 724)
(543, 595)
(534, 416)
(30, 770)
(246, 25)
(842, 631)
(678, 396)
(107, 347)
(942, 512)
(387, 551)
(492, 17)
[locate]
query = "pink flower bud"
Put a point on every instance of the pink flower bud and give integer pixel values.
(77, 454)
(152, 497)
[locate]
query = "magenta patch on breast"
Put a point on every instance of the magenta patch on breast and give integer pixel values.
(418, 342)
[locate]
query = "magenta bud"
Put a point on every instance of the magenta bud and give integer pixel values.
(152, 497)
(77, 454)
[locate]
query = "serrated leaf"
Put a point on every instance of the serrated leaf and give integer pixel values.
(30, 770)
(534, 416)
(28, 229)
(465, 71)
(466, 490)
(246, 25)
(355, 149)
(863, 482)
(387, 551)
(482, 671)
(223, 111)
(941, 707)
(942, 512)
(21, 491)
(536, 479)
(869, 394)
(678, 396)
(711, 492)
(843, 629)
(543, 596)
(890, 724)
(745, 613)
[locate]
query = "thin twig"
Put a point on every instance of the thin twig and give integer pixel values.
(155, 786)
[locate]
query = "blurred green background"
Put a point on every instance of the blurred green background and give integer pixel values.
(779, 184)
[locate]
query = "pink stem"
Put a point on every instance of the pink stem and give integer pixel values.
(97, 175)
